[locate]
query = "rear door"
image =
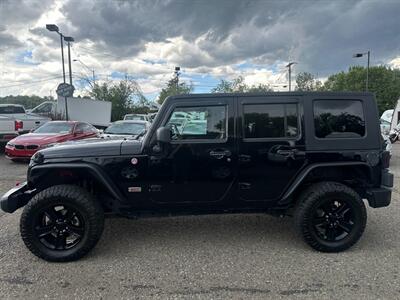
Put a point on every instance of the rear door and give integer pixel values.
(271, 146)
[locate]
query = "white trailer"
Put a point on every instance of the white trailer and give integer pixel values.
(95, 112)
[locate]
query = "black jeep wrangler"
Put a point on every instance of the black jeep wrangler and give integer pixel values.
(316, 156)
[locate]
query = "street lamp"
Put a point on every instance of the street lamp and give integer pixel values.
(357, 55)
(69, 39)
(91, 70)
(289, 66)
(53, 27)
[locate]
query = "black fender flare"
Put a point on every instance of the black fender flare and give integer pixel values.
(93, 170)
(303, 174)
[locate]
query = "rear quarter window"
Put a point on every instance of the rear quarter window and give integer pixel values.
(339, 119)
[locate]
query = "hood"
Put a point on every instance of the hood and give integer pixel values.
(39, 138)
(90, 148)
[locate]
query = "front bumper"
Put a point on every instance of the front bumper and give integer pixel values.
(381, 197)
(16, 198)
(12, 153)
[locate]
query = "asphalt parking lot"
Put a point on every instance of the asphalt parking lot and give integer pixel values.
(207, 257)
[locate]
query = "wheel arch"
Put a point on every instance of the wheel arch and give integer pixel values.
(325, 172)
(43, 176)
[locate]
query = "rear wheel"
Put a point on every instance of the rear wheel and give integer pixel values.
(62, 223)
(330, 216)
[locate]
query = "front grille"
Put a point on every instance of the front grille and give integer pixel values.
(19, 147)
(32, 147)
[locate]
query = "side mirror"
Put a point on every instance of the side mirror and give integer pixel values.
(163, 135)
(77, 132)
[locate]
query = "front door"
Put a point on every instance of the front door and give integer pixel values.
(199, 165)
(271, 146)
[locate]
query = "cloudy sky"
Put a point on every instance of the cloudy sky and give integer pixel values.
(208, 39)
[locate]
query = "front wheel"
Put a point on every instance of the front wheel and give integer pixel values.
(330, 216)
(61, 223)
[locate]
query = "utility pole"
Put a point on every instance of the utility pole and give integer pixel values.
(366, 84)
(289, 66)
(69, 39)
(177, 73)
(62, 56)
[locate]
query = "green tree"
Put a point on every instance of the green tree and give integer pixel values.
(307, 82)
(125, 96)
(28, 102)
(237, 85)
(174, 87)
(383, 81)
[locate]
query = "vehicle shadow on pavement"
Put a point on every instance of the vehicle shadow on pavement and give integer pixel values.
(197, 232)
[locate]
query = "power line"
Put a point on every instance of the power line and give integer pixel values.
(30, 83)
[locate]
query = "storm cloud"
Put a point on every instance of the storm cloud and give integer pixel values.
(206, 35)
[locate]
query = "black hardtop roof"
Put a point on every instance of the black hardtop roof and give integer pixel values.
(274, 94)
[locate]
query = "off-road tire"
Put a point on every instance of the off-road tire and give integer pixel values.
(72, 195)
(309, 201)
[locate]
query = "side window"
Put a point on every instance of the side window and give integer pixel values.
(198, 123)
(43, 108)
(339, 119)
(270, 120)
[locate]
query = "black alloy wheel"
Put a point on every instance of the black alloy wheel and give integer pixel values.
(59, 227)
(333, 220)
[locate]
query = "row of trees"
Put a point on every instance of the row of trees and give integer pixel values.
(127, 97)
(384, 82)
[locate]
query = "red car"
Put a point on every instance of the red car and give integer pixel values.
(47, 135)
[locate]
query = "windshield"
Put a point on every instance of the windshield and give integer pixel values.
(55, 128)
(125, 128)
(12, 110)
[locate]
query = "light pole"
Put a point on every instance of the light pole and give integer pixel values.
(69, 39)
(91, 70)
(53, 27)
(289, 66)
(177, 73)
(356, 55)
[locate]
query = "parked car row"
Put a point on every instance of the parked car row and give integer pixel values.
(22, 147)
(25, 133)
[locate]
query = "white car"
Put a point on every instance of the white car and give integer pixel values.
(125, 129)
(17, 112)
(137, 117)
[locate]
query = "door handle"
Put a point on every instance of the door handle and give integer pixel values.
(291, 153)
(286, 152)
(220, 154)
